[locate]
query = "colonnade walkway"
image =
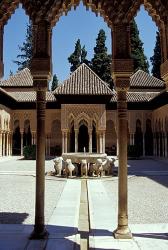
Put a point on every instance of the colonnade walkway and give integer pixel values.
(84, 218)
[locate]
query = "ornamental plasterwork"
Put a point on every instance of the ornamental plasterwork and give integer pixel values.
(88, 112)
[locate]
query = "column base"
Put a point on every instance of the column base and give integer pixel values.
(39, 235)
(122, 232)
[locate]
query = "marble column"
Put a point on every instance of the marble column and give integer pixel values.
(63, 143)
(104, 141)
(100, 143)
(90, 141)
(3, 144)
(66, 142)
(0, 143)
(122, 231)
(143, 144)
(98, 149)
(76, 140)
(39, 227)
(166, 153)
(7, 143)
(21, 143)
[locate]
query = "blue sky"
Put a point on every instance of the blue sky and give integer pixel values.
(78, 23)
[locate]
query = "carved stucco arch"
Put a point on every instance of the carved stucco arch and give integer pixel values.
(113, 12)
(84, 116)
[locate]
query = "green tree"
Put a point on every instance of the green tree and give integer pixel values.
(54, 83)
(137, 51)
(156, 58)
(26, 50)
(78, 56)
(75, 58)
(101, 62)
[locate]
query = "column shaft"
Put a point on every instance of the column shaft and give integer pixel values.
(90, 142)
(0, 143)
(39, 228)
(76, 141)
(63, 143)
(21, 143)
(66, 142)
(122, 230)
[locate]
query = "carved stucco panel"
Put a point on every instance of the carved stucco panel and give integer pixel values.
(88, 112)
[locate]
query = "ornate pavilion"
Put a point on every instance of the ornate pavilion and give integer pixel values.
(140, 111)
(81, 112)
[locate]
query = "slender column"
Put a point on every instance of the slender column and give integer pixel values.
(10, 143)
(0, 143)
(122, 230)
(3, 144)
(76, 140)
(66, 141)
(166, 153)
(122, 67)
(90, 141)
(104, 142)
(49, 143)
(63, 143)
(98, 150)
(21, 143)
(7, 143)
(41, 68)
(100, 142)
(1, 52)
(143, 144)
(39, 227)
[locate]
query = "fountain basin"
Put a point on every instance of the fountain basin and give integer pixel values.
(90, 157)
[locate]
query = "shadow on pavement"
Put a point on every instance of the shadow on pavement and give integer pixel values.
(12, 218)
(161, 236)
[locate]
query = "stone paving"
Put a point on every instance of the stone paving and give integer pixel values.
(148, 208)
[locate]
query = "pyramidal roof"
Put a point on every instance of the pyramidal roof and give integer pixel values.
(83, 81)
(141, 79)
(22, 79)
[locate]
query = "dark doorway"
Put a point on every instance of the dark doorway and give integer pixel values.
(139, 138)
(83, 138)
(27, 136)
(16, 139)
(148, 138)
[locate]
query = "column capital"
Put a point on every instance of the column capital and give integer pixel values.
(41, 66)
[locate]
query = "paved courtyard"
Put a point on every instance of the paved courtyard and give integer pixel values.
(147, 200)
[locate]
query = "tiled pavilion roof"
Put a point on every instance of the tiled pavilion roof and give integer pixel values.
(83, 81)
(30, 96)
(142, 79)
(22, 79)
(137, 96)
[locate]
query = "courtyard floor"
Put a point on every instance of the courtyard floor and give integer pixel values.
(66, 208)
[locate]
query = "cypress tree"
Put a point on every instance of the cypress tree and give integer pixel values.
(78, 56)
(75, 58)
(137, 51)
(101, 62)
(156, 58)
(26, 50)
(54, 83)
